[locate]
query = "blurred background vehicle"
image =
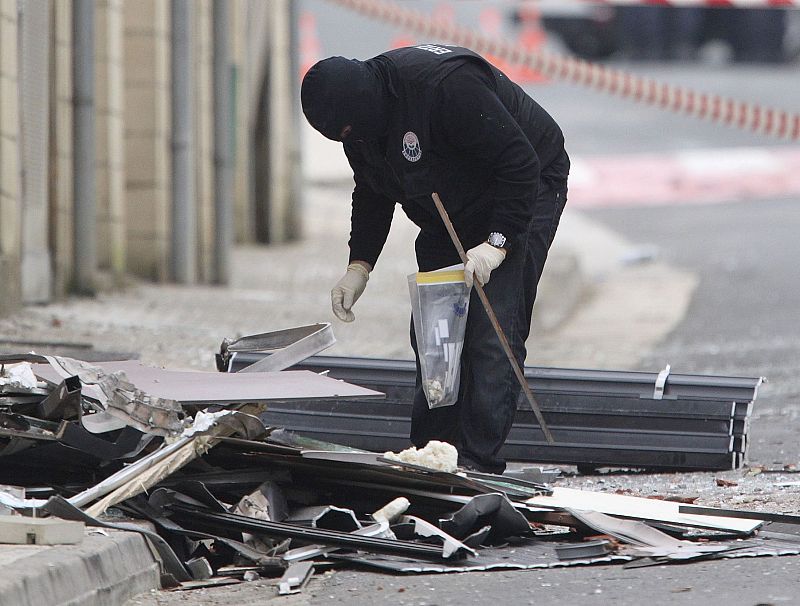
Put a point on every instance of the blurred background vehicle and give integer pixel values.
(662, 33)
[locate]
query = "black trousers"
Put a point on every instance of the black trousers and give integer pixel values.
(480, 420)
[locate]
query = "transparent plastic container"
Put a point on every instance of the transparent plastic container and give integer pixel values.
(439, 306)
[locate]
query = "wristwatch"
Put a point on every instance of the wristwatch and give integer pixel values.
(496, 239)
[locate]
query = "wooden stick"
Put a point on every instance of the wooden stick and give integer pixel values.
(493, 319)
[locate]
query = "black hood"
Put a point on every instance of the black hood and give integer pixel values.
(338, 92)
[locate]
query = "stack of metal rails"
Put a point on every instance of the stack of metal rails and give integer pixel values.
(599, 418)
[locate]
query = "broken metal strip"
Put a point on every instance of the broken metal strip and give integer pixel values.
(324, 469)
(127, 473)
(638, 508)
(532, 514)
(500, 481)
(324, 516)
(289, 346)
(295, 578)
(31, 358)
(65, 368)
(584, 551)
(23, 401)
(149, 477)
(331, 537)
(494, 510)
(450, 547)
(763, 516)
(129, 441)
(257, 557)
(396, 480)
(197, 440)
(153, 415)
(11, 391)
(380, 529)
(537, 555)
(182, 448)
(119, 401)
(13, 425)
(629, 531)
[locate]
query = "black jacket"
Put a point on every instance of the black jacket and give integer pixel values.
(459, 127)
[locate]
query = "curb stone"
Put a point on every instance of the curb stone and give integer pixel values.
(101, 571)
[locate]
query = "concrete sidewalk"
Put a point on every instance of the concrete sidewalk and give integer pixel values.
(602, 304)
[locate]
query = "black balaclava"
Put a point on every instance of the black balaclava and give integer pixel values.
(339, 92)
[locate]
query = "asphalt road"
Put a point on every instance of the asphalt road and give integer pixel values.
(743, 319)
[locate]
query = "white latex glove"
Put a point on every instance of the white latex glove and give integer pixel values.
(348, 290)
(481, 260)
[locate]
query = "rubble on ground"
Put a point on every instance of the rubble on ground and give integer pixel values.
(229, 496)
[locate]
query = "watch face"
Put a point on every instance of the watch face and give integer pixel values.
(497, 239)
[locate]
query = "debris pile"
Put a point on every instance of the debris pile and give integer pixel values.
(232, 497)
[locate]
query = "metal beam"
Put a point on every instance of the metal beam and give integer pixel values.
(600, 418)
(639, 384)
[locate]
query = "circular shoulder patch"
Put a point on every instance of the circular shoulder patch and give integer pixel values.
(411, 149)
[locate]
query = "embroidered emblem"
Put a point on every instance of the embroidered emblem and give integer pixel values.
(411, 149)
(432, 48)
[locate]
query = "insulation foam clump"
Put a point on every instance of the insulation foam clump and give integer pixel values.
(436, 455)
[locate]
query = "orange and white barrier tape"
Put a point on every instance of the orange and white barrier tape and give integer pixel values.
(715, 108)
(704, 3)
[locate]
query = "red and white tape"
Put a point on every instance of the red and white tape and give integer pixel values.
(715, 108)
(704, 3)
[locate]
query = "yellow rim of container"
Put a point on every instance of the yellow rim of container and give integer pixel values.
(440, 277)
